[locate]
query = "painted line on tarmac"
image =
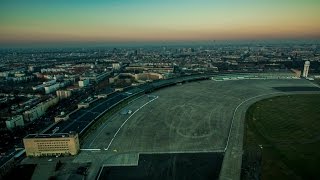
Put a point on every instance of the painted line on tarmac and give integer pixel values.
(234, 113)
(105, 125)
(315, 84)
(90, 149)
(127, 120)
(101, 169)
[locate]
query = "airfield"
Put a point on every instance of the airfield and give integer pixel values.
(192, 118)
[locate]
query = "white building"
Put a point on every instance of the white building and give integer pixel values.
(15, 121)
(44, 84)
(62, 94)
(4, 74)
(40, 109)
(95, 77)
(116, 66)
(306, 69)
(84, 83)
(51, 88)
(34, 113)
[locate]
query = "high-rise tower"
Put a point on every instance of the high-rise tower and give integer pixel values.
(306, 69)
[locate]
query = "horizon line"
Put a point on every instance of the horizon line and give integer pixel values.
(84, 44)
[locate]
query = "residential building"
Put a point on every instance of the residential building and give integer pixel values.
(15, 121)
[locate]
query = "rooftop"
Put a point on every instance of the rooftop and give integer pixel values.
(55, 135)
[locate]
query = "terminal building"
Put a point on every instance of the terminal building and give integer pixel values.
(51, 144)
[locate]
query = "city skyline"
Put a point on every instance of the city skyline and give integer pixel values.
(36, 22)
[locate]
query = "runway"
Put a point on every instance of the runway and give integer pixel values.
(202, 116)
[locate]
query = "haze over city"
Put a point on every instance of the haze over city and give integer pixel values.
(159, 89)
(84, 21)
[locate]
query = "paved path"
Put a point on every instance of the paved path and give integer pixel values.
(231, 166)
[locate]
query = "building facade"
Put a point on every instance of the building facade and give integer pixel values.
(116, 66)
(40, 109)
(15, 121)
(51, 88)
(34, 113)
(62, 94)
(306, 69)
(51, 144)
(84, 83)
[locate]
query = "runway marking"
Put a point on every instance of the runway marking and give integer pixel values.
(314, 84)
(127, 120)
(93, 112)
(90, 149)
(105, 125)
(234, 113)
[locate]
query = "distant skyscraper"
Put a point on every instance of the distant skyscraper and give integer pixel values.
(306, 69)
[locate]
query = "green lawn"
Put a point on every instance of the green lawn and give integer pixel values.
(288, 128)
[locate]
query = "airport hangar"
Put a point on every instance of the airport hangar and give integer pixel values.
(203, 116)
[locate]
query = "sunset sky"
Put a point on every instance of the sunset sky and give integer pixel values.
(55, 21)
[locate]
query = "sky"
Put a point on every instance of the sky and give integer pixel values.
(81, 21)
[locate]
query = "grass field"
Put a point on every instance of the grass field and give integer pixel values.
(288, 130)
